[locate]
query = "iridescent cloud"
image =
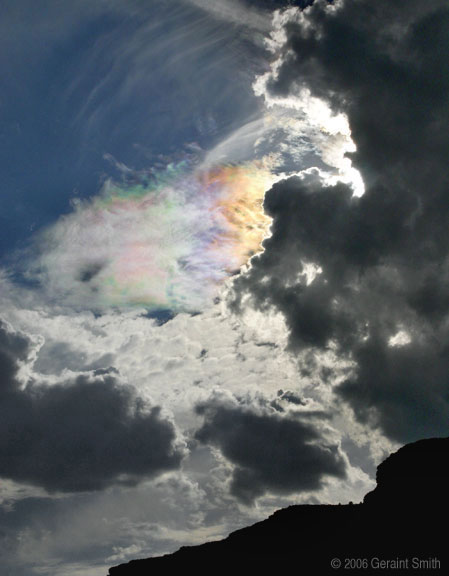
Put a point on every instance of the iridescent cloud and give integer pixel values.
(166, 244)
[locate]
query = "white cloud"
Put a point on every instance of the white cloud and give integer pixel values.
(329, 133)
(236, 12)
(401, 338)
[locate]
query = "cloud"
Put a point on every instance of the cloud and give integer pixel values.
(237, 12)
(383, 257)
(277, 4)
(308, 218)
(82, 434)
(161, 57)
(383, 82)
(270, 453)
(404, 390)
(166, 244)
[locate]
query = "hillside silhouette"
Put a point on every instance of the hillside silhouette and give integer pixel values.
(400, 528)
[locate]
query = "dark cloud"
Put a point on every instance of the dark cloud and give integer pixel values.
(384, 257)
(90, 271)
(286, 398)
(290, 397)
(405, 390)
(83, 434)
(309, 219)
(384, 64)
(13, 348)
(270, 453)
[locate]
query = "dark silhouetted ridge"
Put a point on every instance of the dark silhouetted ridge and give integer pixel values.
(400, 528)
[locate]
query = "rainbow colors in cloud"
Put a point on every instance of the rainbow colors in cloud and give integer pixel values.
(168, 244)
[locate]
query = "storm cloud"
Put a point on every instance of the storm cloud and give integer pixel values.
(270, 453)
(368, 275)
(82, 434)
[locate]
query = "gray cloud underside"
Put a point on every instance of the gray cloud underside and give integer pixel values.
(83, 434)
(282, 455)
(384, 256)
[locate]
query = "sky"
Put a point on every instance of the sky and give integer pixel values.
(223, 264)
